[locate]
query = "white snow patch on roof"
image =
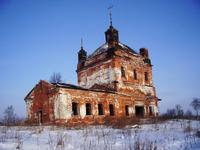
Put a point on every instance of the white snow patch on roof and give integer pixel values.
(100, 50)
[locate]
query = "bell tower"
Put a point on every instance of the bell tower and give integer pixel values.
(82, 56)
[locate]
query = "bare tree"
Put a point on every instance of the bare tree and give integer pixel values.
(10, 116)
(55, 78)
(179, 111)
(171, 113)
(188, 114)
(196, 105)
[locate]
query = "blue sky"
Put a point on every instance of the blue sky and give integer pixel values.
(38, 38)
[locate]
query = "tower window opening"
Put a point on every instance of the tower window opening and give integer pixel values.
(123, 72)
(146, 76)
(111, 109)
(134, 74)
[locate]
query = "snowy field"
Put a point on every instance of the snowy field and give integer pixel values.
(170, 135)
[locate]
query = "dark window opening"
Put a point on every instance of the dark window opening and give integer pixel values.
(135, 74)
(82, 64)
(107, 37)
(100, 109)
(123, 72)
(88, 109)
(111, 109)
(146, 76)
(127, 110)
(139, 111)
(75, 108)
(40, 119)
(150, 110)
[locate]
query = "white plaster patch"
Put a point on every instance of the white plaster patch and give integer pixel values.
(116, 102)
(139, 103)
(63, 106)
(131, 110)
(147, 90)
(82, 110)
(117, 74)
(102, 76)
(29, 104)
(155, 109)
(145, 110)
(152, 103)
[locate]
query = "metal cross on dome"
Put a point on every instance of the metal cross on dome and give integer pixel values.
(110, 14)
(81, 42)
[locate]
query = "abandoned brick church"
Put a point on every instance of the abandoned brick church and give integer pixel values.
(114, 81)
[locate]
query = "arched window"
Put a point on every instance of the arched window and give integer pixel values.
(75, 108)
(146, 76)
(88, 109)
(100, 109)
(111, 109)
(123, 72)
(134, 74)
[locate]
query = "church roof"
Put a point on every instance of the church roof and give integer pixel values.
(103, 48)
(68, 86)
(71, 86)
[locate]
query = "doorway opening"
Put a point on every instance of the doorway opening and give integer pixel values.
(139, 111)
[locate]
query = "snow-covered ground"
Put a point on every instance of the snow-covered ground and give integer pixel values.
(170, 135)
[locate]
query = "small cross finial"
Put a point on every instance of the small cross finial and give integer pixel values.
(110, 14)
(81, 43)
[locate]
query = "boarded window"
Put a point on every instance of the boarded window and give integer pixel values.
(146, 76)
(123, 72)
(127, 110)
(88, 109)
(111, 109)
(75, 108)
(100, 109)
(134, 74)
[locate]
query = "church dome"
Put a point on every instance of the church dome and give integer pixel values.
(104, 48)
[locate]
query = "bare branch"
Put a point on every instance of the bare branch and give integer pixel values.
(55, 78)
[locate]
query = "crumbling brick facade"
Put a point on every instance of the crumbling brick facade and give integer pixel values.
(115, 81)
